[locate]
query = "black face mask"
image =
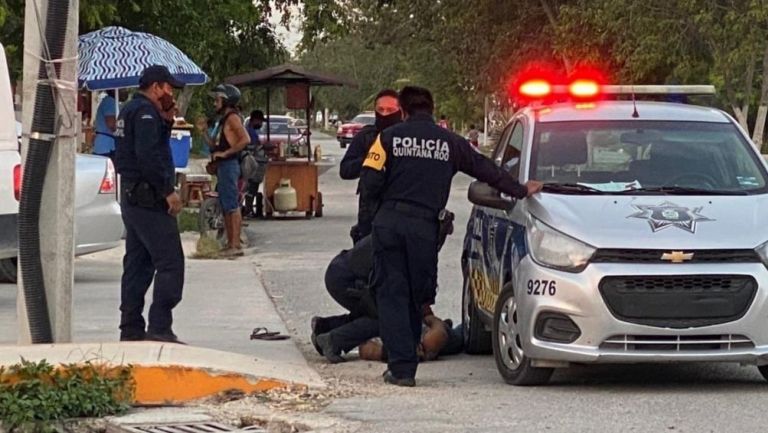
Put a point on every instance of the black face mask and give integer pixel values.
(384, 122)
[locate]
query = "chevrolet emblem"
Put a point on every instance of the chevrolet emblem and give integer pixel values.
(677, 256)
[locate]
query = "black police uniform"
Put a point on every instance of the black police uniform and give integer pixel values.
(152, 243)
(409, 170)
(350, 168)
(346, 280)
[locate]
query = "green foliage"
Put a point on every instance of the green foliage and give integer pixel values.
(188, 221)
(463, 50)
(35, 395)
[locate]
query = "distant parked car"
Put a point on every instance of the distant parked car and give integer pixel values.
(347, 131)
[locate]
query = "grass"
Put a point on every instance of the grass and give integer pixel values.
(207, 247)
(187, 220)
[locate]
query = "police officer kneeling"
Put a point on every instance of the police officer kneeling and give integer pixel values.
(149, 206)
(409, 169)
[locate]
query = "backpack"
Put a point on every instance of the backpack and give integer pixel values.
(249, 166)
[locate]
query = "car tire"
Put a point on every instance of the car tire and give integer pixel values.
(8, 270)
(477, 340)
(513, 365)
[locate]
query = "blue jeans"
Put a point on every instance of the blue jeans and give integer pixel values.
(228, 174)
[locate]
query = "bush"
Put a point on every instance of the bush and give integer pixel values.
(33, 396)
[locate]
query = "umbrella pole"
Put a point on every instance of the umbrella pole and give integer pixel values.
(268, 128)
(117, 103)
(309, 145)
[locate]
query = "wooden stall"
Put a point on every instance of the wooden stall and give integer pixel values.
(302, 173)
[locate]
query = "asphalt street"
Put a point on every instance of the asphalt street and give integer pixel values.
(465, 393)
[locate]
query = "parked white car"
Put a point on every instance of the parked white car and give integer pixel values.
(98, 223)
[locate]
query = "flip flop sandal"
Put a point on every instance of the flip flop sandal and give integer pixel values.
(265, 334)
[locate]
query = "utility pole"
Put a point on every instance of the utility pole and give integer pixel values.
(56, 220)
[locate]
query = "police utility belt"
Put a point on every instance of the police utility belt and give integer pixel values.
(142, 194)
(444, 218)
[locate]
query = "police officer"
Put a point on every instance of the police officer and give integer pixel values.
(409, 170)
(149, 207)
(387, 110)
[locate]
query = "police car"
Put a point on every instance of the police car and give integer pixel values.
(647, 244)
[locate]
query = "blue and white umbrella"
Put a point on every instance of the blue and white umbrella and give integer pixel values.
(114, 57)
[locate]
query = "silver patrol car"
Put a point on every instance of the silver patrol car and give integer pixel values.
(649, 242)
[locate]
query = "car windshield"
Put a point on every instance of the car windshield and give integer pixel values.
(656, 157)
(365, 119)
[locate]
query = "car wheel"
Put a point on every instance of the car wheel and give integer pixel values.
(477, 340)
(343, 145)
(513, 365)
(8, 270)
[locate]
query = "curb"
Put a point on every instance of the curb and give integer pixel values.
(171, 373)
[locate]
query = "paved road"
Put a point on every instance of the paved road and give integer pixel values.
(465, 393)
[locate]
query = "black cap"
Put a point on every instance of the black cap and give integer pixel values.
(158, 74)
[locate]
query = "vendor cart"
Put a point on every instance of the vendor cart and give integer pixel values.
(301, 172)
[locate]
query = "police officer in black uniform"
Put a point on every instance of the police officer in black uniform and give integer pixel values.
(387, 110)
(149, 207)
(409, 170)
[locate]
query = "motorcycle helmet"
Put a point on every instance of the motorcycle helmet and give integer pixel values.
(228, 93)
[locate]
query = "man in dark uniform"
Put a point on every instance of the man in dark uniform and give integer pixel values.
(409, 169)
(149, 206)
(388, 113)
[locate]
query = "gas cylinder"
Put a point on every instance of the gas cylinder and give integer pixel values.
(285, 197)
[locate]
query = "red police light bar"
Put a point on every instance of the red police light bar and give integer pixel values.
(582, 89)
(538, 88)
(535, 88)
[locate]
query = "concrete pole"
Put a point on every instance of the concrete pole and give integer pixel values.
(57, 211)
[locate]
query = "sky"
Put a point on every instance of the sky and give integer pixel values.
(291, 36)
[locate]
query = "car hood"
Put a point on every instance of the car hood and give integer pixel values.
(656, 222)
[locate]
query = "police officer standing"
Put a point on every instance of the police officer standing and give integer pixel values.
(149, 207)
(387, 111)
(409, 169)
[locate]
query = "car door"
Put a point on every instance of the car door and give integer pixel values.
(491, 232)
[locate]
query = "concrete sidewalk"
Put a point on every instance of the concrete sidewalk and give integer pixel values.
(223, 301)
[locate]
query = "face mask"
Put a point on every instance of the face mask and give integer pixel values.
(384, 122)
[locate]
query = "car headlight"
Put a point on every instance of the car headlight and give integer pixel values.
(762, 251)
(557, 250)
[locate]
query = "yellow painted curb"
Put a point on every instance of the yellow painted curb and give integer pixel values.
(172, 373)
(176, 384)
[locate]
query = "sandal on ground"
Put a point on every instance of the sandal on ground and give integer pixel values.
(262, 333)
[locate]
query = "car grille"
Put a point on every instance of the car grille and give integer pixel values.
(677, 343)
(654, 256)
(678, 301)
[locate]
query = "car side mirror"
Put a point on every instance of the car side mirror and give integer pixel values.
(482, 194)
